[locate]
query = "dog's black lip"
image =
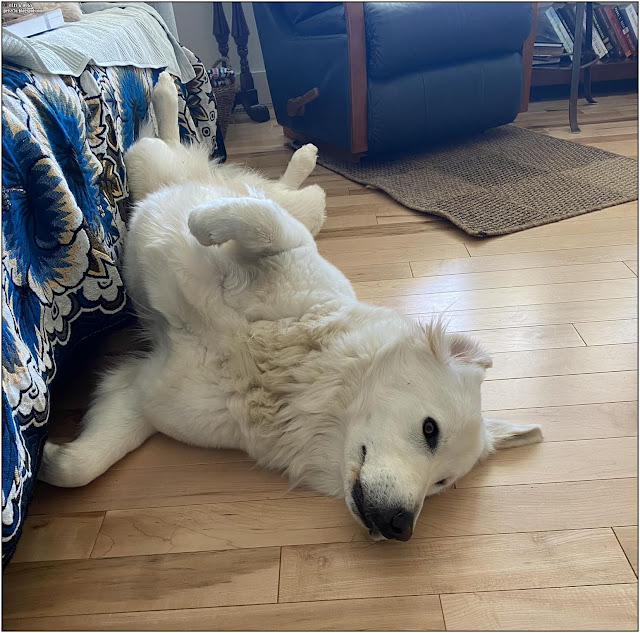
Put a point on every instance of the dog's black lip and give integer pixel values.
(357, 493)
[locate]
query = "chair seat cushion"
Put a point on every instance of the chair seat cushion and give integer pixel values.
(409, 36)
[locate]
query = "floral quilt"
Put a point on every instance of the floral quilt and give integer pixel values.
(64, 219)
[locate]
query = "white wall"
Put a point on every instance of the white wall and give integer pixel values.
(195, 28)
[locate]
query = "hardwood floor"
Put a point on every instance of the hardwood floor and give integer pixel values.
(538, 537)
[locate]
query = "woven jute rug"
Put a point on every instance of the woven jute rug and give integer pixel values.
(505, 180)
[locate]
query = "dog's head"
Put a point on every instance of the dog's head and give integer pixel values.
(417, 427)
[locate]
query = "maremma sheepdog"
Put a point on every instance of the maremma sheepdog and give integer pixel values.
(259, 344)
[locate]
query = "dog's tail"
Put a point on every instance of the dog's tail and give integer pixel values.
(165, 108)
(162, 120)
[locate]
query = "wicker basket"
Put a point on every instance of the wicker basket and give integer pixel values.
(225, 89)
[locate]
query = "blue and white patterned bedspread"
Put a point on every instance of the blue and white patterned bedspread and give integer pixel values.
(64, 216)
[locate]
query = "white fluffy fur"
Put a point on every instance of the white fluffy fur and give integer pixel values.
(259, 344)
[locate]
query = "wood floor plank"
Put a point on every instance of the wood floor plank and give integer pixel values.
(458, 512)
(388, 242)
(142, 583)
(624, 210)
(402, 613)
(633, 265)
(366, 200)
(543, 314)
(577, 422)
(519, 296)
(554, 391)
(226, 526)
(587, 225)
(578, 460)
(404, 255)
(501, 245)
(167, 486)
(609, 333)
(58, 537)
(452, 565)
(598, 608)
(624, 148)
(495, 279)
(536, 337)
(399, 211)
(603, 129)
(414, 218)
(628, 538)
(529, 508)
(351, 220)
(568, 360)
(376, 272)
(518, 261)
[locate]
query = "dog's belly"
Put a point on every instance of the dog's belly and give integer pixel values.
(193, 399)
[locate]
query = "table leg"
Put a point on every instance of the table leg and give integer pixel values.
(587, 70)
(575, 68)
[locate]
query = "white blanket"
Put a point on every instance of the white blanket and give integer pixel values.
(127, 34)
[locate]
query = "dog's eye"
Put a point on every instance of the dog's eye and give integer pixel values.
(431, 432)
(442, 482)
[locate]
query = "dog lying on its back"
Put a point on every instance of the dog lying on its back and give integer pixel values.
(259, 344)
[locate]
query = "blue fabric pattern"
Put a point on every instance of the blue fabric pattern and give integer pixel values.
(64, 216)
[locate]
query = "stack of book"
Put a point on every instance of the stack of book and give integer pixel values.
(548, 49)
(614, 36)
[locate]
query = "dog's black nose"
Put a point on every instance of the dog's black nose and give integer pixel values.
(396, 524)
(402, 525)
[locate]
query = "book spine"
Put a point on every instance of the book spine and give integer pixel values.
(568, 20)
(606, 23)
(632, 18)
(625, 30)
(560, 30)
(596, 41)
(611, 51)
(615, 25)
(568, 17)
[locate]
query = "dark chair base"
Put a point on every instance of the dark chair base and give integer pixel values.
(333, 150)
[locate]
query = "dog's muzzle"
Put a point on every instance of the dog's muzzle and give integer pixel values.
(393, 522)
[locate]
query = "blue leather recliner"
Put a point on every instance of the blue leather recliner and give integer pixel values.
(380, 77)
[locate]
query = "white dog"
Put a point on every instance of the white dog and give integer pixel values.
(259, 344)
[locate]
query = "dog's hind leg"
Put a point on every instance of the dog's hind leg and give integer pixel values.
(258, 226)
(165, 107)
(307, 205)
(302, 163)
(112, 427)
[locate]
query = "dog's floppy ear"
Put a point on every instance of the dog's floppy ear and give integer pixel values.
(466, 350)
(456, 346)
(503, 434)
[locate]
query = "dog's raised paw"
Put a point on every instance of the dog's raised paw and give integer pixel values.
(304, 159)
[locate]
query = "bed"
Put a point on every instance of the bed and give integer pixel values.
(64, 219)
